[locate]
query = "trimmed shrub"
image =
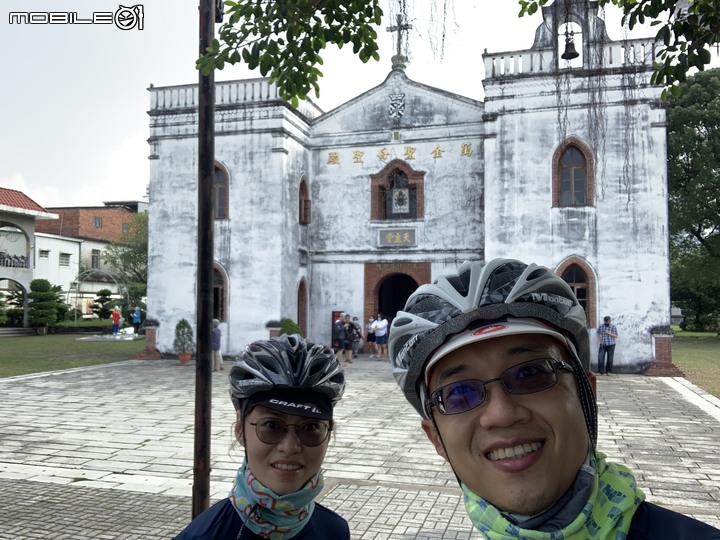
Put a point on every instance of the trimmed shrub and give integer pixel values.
(288, 326)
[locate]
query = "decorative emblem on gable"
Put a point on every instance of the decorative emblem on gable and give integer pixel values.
(397, 106)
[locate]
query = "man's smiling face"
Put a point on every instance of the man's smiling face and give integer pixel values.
(519, 452)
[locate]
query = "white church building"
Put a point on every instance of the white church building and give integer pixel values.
(562, 164)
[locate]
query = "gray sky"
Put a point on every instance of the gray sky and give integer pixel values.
(74, 102)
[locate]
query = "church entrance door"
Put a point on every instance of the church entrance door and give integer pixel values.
(393, 293)
(389, 284)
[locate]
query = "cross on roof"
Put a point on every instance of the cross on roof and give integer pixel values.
(399, 28)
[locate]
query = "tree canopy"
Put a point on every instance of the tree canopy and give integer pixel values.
(129, 255)
(284, 39)
(693, 120)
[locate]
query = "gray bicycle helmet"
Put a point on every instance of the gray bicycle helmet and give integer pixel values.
(287, 362)
(479, 291)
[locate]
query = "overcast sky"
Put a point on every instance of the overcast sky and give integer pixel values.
(74, 102)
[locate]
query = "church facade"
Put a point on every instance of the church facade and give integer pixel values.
(562, 164)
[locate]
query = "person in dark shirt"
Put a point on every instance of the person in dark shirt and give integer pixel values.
(284, 390)
(496, 358)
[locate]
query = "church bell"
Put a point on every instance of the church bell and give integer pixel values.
(570, 51)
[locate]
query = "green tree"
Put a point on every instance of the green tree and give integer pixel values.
(129, 255)
(687, 31)
(693, 120)
(15, 313)
(3, 307)
(43, 303)
(61, 308)
(284, 39)
(288, 326)
(695, 288)
(100, 306)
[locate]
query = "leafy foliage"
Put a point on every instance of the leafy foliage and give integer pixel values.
(43, 303)
(686, 33)
(284, 39)
(184, 337)
(129, 255)
(100, 306)
(693, 120)
(61, 308)
(288, 326)
(3, 307)
(695, 288)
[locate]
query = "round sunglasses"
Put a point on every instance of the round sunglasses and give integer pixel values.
(524, 378)
(274, 430)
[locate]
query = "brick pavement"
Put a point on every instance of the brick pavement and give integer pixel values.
(106, 452)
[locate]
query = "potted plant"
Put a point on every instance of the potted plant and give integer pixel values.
(184, 343)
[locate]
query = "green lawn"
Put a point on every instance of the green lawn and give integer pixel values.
(34, 354)
(698, 356)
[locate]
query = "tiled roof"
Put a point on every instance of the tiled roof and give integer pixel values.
(17, 199)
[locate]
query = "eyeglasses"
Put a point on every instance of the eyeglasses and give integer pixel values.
(524, 378)
(273, 430)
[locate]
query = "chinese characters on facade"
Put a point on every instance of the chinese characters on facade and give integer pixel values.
(465, 150)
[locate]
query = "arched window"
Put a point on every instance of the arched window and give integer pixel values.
(304, 212)
(219, 294)
(221, 182)
(400, 198)
(576, 272)
(573, 181)
(397, 193)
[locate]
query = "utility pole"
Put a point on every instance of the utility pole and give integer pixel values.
(206, 256)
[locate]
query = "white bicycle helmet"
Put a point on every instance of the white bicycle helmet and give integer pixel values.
(287, 362)
(479, 291)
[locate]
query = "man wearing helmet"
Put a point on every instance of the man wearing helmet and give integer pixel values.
(284, 390)
(495, 357)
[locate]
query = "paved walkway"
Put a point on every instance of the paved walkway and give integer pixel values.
(106, 452)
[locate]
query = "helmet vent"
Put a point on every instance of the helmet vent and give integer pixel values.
(537, 273)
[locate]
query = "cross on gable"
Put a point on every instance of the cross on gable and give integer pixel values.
(399, 28)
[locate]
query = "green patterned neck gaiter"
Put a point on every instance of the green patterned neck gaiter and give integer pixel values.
(606, 515)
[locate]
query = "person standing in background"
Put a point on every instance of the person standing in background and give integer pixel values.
(370, 337)
(381, 336)
(357, 344)
(607, 334)
(136, 318)
(216, 341)
(115, 317)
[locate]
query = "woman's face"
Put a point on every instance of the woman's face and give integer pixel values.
(286, 466)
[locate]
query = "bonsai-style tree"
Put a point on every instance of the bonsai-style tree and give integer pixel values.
(43, 303)
(184, 338)
(99, 306)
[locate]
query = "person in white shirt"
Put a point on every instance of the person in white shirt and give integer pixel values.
(381, 336)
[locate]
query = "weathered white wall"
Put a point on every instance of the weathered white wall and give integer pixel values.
(623, 235)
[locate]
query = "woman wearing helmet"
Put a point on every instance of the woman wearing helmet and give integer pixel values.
(494, 357)
(284, 390)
